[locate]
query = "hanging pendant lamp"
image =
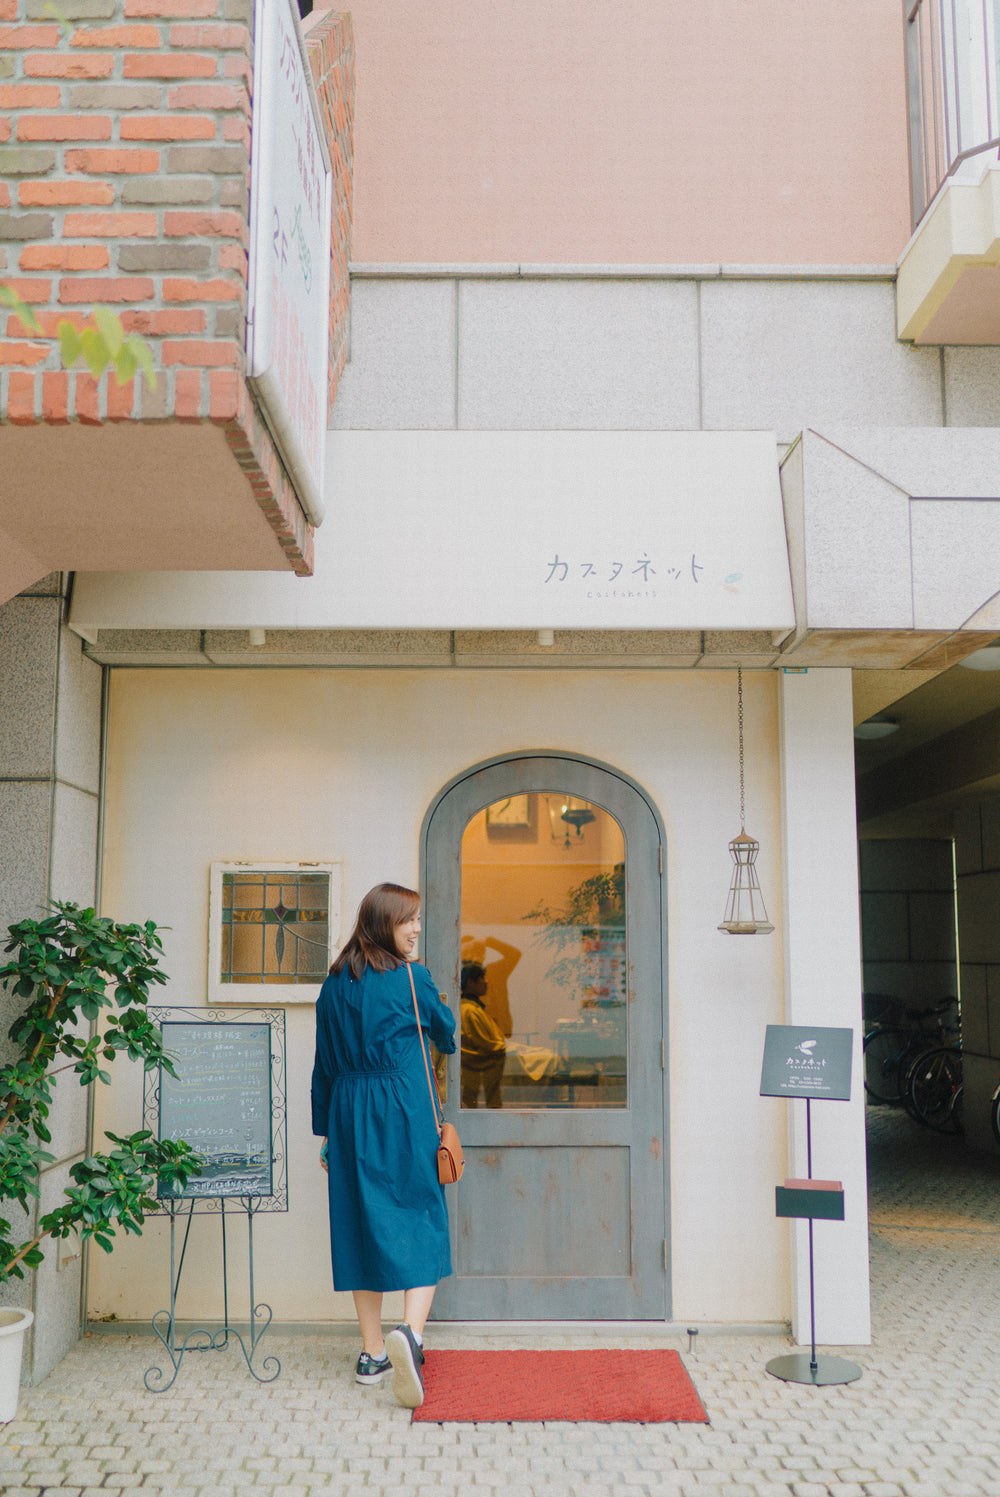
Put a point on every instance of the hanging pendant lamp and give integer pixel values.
(745, 912)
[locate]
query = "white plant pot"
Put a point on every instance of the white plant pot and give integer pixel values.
(13, 1326)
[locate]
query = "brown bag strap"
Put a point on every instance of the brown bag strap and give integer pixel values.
(435, 1099)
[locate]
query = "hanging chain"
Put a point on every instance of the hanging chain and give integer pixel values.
(739, 713)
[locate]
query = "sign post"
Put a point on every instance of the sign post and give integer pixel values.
(227, 1100)
(814, 1064)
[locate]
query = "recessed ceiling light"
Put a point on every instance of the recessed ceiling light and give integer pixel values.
(987, 659)
(876, 727)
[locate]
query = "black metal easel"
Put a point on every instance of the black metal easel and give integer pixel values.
(165, 1321)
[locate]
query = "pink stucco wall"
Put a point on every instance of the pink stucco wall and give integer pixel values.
(679, 131)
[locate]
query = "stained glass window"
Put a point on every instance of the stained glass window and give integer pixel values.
(271, 927)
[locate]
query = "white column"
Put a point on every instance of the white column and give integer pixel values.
(823, 987)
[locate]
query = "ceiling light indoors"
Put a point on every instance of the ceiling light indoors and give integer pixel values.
(876, 727)
(987, 659)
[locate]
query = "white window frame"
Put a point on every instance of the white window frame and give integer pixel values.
(268, 994)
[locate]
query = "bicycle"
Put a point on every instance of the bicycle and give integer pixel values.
(890, 1050)
(934, 1091)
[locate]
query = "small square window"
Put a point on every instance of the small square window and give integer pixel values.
(272, 928)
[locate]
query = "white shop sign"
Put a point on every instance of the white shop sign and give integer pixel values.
(509, 530)
(288, 318)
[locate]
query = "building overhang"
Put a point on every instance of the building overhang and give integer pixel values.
(871, 549)
(948, 281)
(488, 530)
(894, 540)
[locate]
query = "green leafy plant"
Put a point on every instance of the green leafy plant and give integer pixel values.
(594, 906)
(85, 983)
(102, 346)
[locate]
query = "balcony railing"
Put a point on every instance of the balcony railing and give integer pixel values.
(954, 99)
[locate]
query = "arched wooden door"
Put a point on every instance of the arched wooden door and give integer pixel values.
(543, 886)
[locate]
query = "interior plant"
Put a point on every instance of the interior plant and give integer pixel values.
(82, 985)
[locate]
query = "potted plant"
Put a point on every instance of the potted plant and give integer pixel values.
(83, 983)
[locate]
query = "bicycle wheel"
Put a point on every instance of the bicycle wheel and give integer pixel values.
(995, 1114)
(934, 1089)
(885, 1051)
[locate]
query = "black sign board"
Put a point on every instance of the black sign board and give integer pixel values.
(227, 1100)
(807, 1062)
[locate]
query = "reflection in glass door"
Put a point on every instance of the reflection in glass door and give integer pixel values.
(544, 1015)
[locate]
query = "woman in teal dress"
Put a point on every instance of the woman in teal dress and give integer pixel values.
(372, 1107)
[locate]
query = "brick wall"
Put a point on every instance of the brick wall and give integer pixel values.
(124, 178)
(330, 45)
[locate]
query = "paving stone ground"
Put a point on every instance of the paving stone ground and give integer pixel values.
(922, 1421)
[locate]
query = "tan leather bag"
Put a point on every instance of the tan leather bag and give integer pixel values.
(450, 1159)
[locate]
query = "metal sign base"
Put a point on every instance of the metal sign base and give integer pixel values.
(822, 1372)
(165, 1321)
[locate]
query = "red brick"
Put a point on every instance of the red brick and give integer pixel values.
(191, 290)
(119, 38)
(30, 96)
(167, 127)
(169, 65)
(59, 65)
(57, 194)
(115, 162)
(221, 37)
(64, 127)
(189, 8)
(207, 96)
(4, 195)
(198, 354)
(236, 129)
(224, 225)
(232, 257)
(15, 37)
(187, 395)
(154, 324)
(109, 226)
(55, 397)
(50, 321)
(121, 399)
(21, 399)
(35, 293)
(5, 129)
(225, 389)
(236, 66)
(65, 257)
(88, 399)
(105, 289)
(8, 10)
(23, 353)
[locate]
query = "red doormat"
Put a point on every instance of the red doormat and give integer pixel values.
(637, 1387)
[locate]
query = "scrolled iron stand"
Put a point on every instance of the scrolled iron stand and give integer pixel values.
(164, 1322)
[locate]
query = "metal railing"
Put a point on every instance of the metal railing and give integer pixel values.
(954, 101)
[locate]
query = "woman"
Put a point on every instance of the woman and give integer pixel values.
(371, 1105)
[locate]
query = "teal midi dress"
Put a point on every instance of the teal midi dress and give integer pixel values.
(388, 1217)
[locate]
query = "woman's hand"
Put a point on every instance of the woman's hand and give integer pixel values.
(322, 1155)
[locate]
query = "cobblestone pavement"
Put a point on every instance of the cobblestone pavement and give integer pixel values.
(923, 1420)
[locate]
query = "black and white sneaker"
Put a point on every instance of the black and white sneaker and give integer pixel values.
(372, 1369)
(407, 1358)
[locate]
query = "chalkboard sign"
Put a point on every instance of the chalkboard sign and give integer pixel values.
(227, 1101)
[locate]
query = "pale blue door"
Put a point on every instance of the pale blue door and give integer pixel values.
(543, 886)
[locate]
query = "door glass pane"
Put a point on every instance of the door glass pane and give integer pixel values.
(544, 991)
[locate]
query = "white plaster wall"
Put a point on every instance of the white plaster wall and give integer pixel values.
(343, 765)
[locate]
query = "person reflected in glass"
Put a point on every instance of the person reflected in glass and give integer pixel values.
(498, 971)
(372, 1108)
(484, 1049)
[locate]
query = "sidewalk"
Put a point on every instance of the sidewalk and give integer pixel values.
(922, 1421)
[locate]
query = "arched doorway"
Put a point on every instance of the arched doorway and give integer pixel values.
(543, 883)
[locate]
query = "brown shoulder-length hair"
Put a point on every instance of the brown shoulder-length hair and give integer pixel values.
(372, 942)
